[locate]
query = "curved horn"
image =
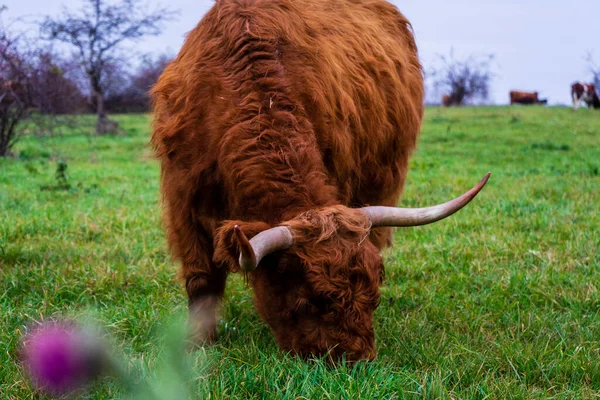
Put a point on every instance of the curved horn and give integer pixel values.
(266, 242)
(394, 216)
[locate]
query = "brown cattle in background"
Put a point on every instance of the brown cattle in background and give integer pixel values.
(586, 93)
(447, 100)
(277, 121)
(525, 98)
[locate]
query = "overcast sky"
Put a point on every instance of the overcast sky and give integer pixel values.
(539, 44)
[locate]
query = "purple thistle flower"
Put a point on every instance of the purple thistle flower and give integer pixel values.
(61, 358)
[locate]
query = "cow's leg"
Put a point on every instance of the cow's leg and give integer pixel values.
(205, 285)
(575, 102)
(190, 238)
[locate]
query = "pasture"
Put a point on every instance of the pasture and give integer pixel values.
(498, 301)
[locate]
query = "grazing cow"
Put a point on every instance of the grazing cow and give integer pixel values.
(586, 93)
(447, 100)
(451, 100)
(291, 122)
(526, 98)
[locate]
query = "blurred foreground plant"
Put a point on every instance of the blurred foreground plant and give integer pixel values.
(63, 358)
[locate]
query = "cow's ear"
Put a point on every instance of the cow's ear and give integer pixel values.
(226, 248)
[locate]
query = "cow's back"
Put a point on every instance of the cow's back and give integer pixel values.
(360, 82)
(349, 68)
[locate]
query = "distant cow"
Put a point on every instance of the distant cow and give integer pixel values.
(449, 101)
(526, 98)
(446, 100)
(585, 92)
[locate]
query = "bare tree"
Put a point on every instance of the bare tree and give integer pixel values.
(97, 32)
(15, 89)
(462, 81)
(35, 87)
(594, 69)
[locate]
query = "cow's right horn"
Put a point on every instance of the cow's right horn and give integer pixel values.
(266, 242)
(281, 237)
(394, 216)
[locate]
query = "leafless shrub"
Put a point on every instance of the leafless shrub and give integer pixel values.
(36, 94)
(462, 81)
(135, 97)
(594, 69)
(15, 88)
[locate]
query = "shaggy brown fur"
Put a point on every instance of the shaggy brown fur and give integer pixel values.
(290, 112)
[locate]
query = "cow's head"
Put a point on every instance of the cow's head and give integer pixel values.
(316, 277)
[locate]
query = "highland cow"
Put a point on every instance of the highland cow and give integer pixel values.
(291, 122)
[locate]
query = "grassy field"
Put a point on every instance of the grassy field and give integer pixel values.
(499, 301)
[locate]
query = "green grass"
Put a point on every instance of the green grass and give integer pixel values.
(499, 301)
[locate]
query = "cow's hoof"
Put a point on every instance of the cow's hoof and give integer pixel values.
(202, 323)
(201, 339)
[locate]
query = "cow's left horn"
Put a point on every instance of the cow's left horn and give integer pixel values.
(266, 242)
(394, 216)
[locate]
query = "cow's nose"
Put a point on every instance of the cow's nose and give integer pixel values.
(367, 355)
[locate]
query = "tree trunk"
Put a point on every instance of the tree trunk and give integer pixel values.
(6, 133)
(104, 126)
(4, 151)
